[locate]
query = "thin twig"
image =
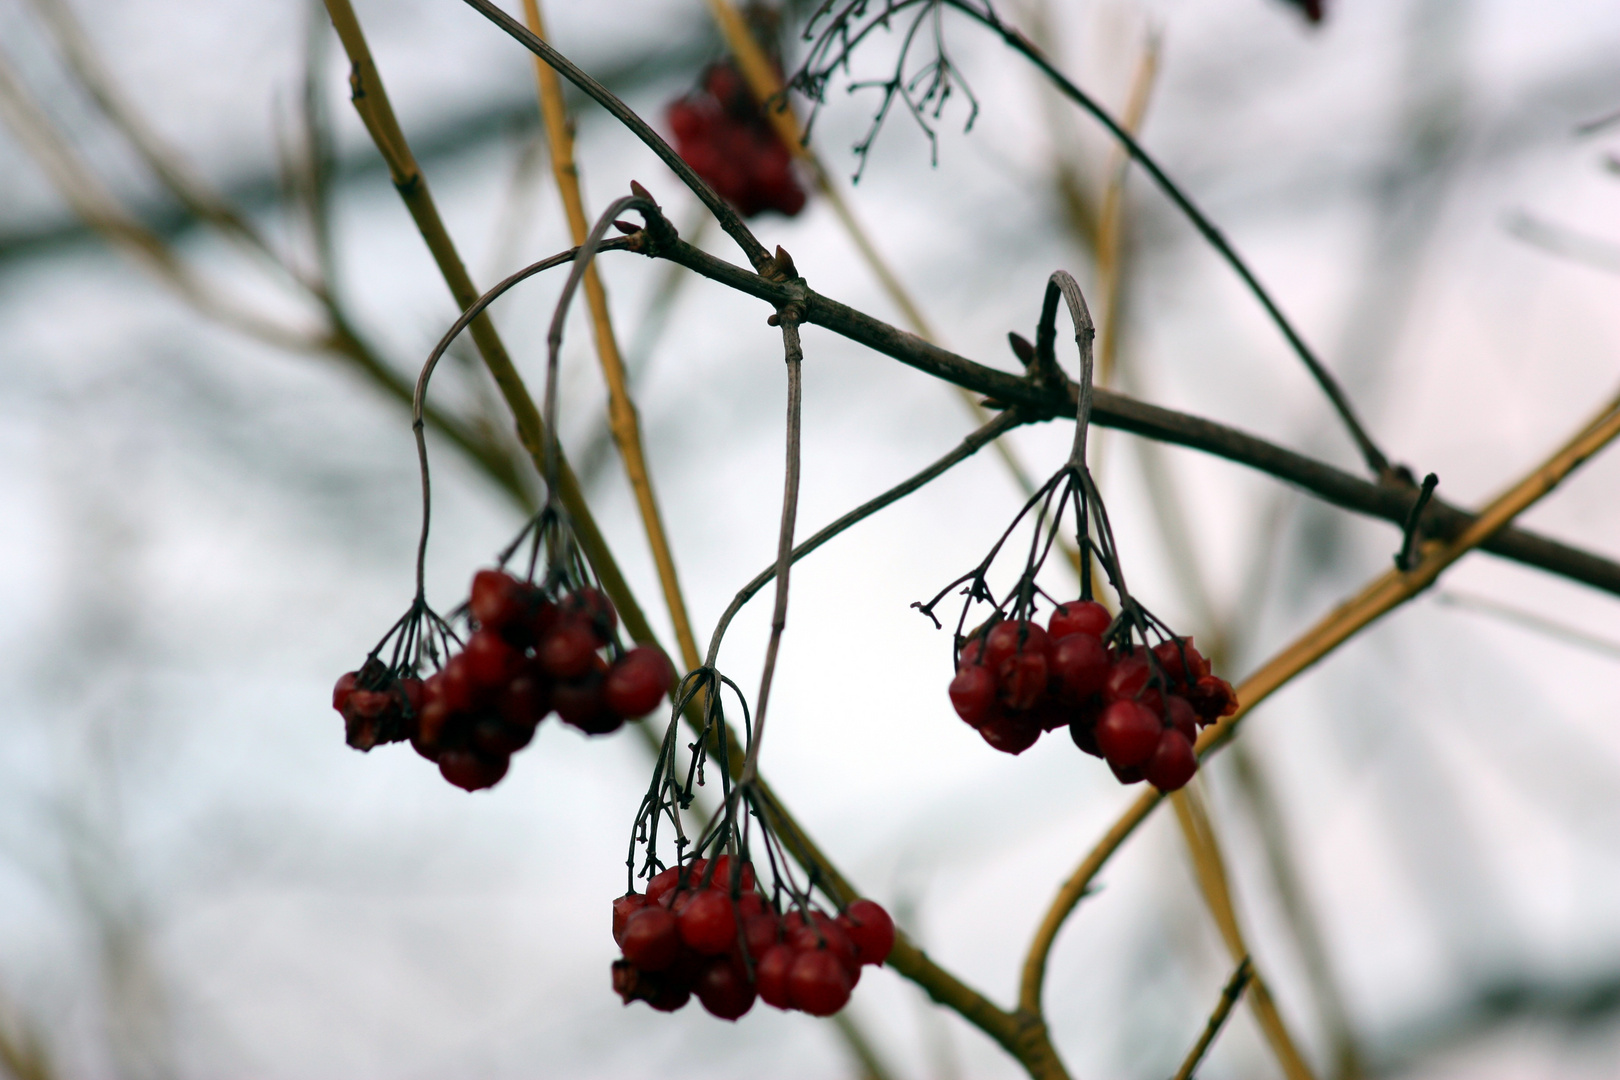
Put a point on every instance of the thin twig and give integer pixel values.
(623, 421)
(1380, 596)
(1529, 620)
(1223, 1008)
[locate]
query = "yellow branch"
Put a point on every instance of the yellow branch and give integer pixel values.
(622, 419)
(1383, 594)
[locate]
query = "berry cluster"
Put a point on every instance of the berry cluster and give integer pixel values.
(721, 132)
(531, 652)
(695, 931)
(1139, 709)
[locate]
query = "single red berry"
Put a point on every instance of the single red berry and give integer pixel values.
(494, 601)
(567, 650)
(470, 771)
(750, 904)
(709, 923)
(761, 931)
(822, 931)
(430, 722)
(638, 681)
(525, 701)
(972, 653)
(1180, 713)
(344, 687)
(1173, 762)
(973, 694)
(597, 611)
(1127, 678)
(456, 686)
(722, 875)
(1182, 664)
(1011, 733)
(771, 975)
(1126, 774)
(817, 983)
(1079, 617)
(580, 702)
(724, 989)
(655, 988)
(1128, 732)
(1080, 666)
(624, 907)
(1083, 727)
(870, 929)
(1010, 637)
(662, 882)
(1021, 680)
(490, 661)
(651, 939)
(494, 737)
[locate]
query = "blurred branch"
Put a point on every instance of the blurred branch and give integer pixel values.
(1529, 620)
(1217, 1019)
(22, 1051)
(1564, 242)
(623, 422)
(1210, 869)
(1382, 595)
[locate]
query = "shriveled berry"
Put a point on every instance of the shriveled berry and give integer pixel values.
(870, 929)
(470, 771)
(725, 990)
(651, 939)
(624, 907)
(1011, 733)
(344, 687)
(1172, 764)
(973, 694)
(657, 989)
(1011, 637)
(1127, 733)
(1080, 666)
(1021, 679)
(708, 923)
(1213, 698)
(638, 681)
(1079, 617)
(771, 975)
(817, 983)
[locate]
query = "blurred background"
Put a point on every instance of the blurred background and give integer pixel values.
(208, 510)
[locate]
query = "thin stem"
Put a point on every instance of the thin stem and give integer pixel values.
(1217, 1019)
(1376, 461)
(965, 449)
(623, 421)
(784, 541)
(1380, 596)
(758, 256)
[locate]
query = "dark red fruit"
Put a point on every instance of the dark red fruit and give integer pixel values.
(431, 720)
(1079, 617)
(658, 989)
(725, 990)
(1127, 733)
(490, 661)
(525, 700)
(1011, 733)
(663, 882)
(652, 939)
(1051, 713)
(580, 702)
(593, 606)
(495, 600)
(1009, 638)
(1080, 666)
(1083, 729)
(344, 687)
(822, 931)
(760, 932)
(457, 688)
(708, 923)
(638, 681)
(470, 771)
(771, 975)
(1021, 679)
(1173, 762)
(1126, 774)
(623, 908)
(1180, 713)
(817, 983)
(1179, 671)
(494, 737)
(973, 694)
(870, 929)
(722, 875)
(1213, 698)
(1127, 678)
(566, 652)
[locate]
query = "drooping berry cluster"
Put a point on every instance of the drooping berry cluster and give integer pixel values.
(695, 931)
(1138, 709)
(722, 133)
(532, 651)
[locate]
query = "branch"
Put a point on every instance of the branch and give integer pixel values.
(1223, 1008)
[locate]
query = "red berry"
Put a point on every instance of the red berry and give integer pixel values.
(1173, 762)
(1213, 698)
(567, 650)
(580, 702)
(817, 983)
(822, 932)
(708, 923)
(1083, 728)
(1170, 657)
(456, 686)
(1021, 679)
(1127, 733)
(1011, 733)
(761, 931)
(344, 687)
(1126, 774)
(1008, 637)
(638, 681)
(624, 907)
(972, 653)
(525, 701)
(495, 601)
(1051, 714)
(722, 875)
(490, 661)
(771, 975)
(431, 720)
(870, 929)
(651, 939)
(1080, 666)
(725, 990)
(596, 610)
(1079, 617)
(494, 737)
(1127, 678)
(973, 694)
(663, 882)
(1180, 713)
(470, 771)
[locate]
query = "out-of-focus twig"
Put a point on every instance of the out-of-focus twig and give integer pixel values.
(1217, 1019)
